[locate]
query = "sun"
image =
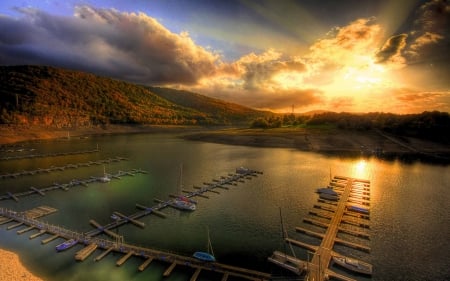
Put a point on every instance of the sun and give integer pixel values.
(364, 73)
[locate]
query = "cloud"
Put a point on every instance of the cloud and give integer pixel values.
(391, 50)
(430, 37)
(341, 103)
(263, 98)
(344, 42)
(258, 70)
(419, 101)
(131, 46)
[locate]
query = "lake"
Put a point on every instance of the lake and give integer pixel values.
(410, 214)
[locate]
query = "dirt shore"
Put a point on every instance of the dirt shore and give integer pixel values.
(12, 269)
(332, 142)
(15, 134)
(325, 141)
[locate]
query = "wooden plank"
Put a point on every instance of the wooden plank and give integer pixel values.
(25, 229)
(144, 265)
(37, 234)
(104, 254)
(85, 252)
(14, 225)
(169, 270)
(45, 241)
(195, 275)
(225, 276)
(124, 258)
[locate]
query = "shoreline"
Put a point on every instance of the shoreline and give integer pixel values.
(11, 268)
(329, 142)
(13, 135)
(334, 142)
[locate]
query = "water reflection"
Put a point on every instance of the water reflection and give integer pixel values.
(360, 169)
(244, 220)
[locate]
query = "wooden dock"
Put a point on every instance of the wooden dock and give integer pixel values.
(122, 219)
(31, 156)
(130, 251)
(61, 168)
(334, 216)
(68, 186)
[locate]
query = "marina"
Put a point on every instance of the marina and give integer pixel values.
(61, 168)
(337, 214)
(121, 219)
(69, 185)
(44, 155)
(245, 227)
(127, 250)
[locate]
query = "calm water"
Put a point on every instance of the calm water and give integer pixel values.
(410, 214)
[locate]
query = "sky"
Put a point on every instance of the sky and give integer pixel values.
(284, 56)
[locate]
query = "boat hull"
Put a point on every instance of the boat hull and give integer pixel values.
(183, 205)
(353, 265)
(66, 245)
(203, 256)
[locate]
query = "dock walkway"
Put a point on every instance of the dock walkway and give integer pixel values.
(318, 268)
(67, 186)
(233, 179)
(31, 156)
(128, 250)
(60, 168)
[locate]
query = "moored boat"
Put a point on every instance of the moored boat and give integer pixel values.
(206, 256)
(353, 264)
(327, 196)
(358, 209)
(326, 190)
(66, 245)
(105, 177)
(183, 203)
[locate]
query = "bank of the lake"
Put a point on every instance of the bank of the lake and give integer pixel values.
(325, 141)
(332, 142)
(12, 269)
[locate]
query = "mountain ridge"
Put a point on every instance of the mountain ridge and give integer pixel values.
(56, 97)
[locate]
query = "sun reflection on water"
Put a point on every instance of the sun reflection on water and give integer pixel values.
(359, 170)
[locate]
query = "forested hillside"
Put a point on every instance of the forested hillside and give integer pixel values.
(48, 96)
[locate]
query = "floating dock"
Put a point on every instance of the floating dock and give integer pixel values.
(31, 156)
(334, 215)
(61, 168)
(121, 219)
(129, 251)
(66, 186)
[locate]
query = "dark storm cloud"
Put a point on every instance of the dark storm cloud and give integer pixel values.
(430, 37)
(257, 73)
(391, 48)
(123, 45)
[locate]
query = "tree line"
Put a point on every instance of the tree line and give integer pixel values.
(431, 125)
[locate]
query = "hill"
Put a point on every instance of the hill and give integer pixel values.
(225, 111)
(54, 97)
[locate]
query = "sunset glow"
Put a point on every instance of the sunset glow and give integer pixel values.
(384, 56)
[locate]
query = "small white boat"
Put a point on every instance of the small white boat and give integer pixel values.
(182, 202)
(105, 177)
(353, 264)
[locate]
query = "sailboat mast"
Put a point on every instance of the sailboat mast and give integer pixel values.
(209, 246)
(180, 184)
